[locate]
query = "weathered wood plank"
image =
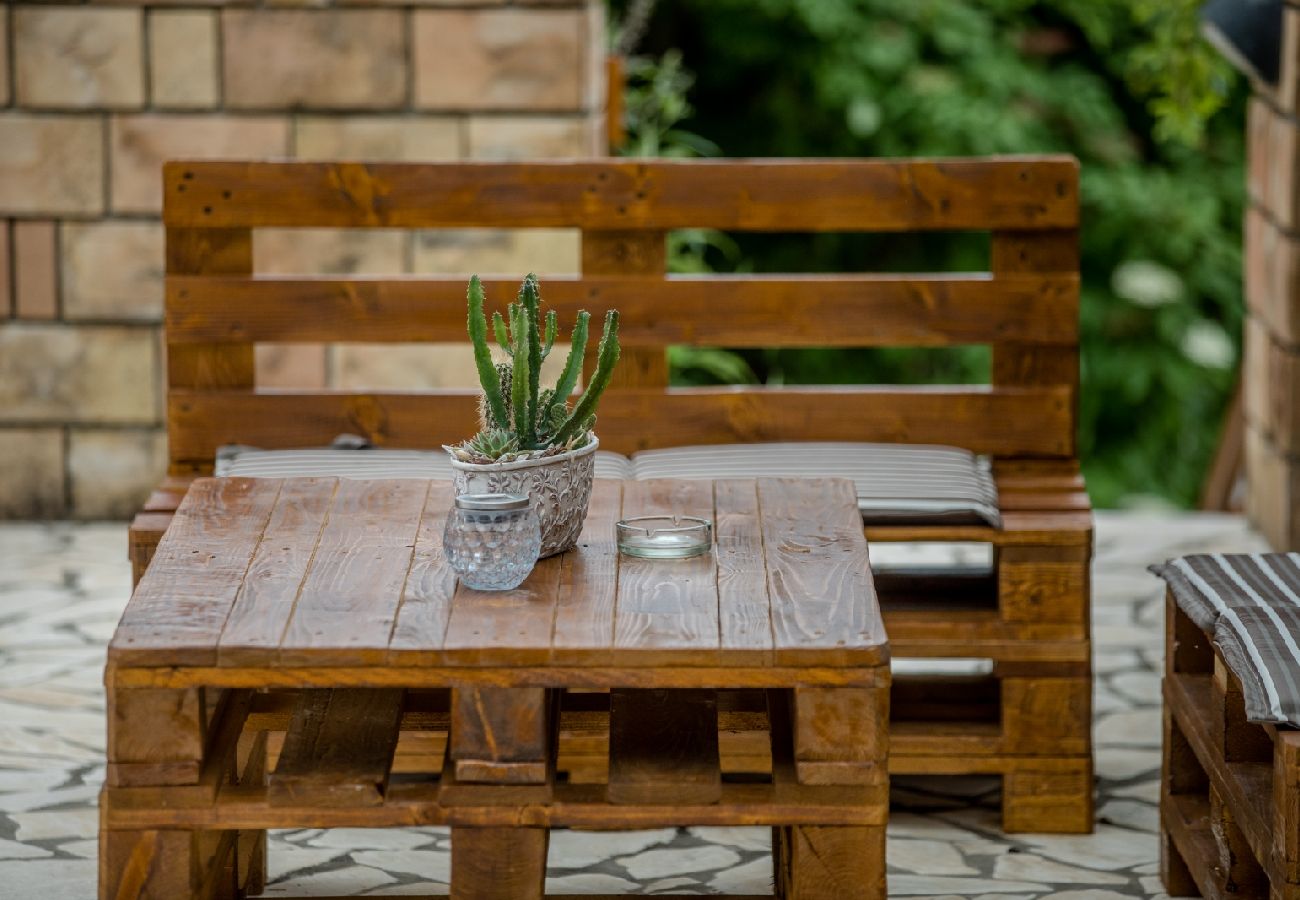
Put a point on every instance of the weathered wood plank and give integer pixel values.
(504, 627)
(823, 604)
(663, 747)
(744, 610)
(1002, 421)
(867, 310)
(584, 613)
(761, 195)
(498, 863)
(500, 735)
(670, 608)
(270, 586)
(642, 255)
(338, 750)
(176, 614)
(348, 601)
(426, 597)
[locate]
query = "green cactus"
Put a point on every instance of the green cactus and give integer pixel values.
(513, 404)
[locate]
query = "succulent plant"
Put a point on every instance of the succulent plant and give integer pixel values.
(513, 404)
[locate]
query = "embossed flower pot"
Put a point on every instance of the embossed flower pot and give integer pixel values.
(559, 486)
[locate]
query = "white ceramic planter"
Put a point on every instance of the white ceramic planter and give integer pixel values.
(560, 487)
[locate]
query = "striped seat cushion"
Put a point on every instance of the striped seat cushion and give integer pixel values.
(1250, 605)
(897, 483)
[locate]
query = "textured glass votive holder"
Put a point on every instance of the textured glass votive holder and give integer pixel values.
(492, 540)
(664, 537)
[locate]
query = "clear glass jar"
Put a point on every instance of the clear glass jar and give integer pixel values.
(492, 540)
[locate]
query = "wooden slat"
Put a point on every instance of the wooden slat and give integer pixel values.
(717, 310)
(338, 750)
(265, 600)
(744, 611)
(1003, 421)
(641, 258)
(760, 195)
(426, 596)
(663, 747)
(347, 604)
(673, 609)
(504, 627)
(823, 604)
(181, 605)
(584, 614)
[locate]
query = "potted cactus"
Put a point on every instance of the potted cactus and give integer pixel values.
(532, 440)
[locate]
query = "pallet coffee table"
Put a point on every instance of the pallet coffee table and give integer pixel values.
(299, 655)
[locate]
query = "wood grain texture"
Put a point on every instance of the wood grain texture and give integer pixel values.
(1011, 421)
(744, 610)
(759, 195)
(426, 597)
(348, 601)
(500, 735)
(504, 627)
(498, 863)
(338, 750)
(640, 256)
(848, 310)
(584, 612)
(823, 604)
(670, 609)
(177, 613)
(663, 747)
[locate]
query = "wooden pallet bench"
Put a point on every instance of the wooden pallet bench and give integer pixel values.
(1230, 789)
(1029, 616)
(284, 664)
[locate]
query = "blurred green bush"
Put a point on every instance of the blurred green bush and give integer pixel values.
(1155, 118)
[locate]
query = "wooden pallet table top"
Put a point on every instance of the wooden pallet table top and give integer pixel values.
(336, 582)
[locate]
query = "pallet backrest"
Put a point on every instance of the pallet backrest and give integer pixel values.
(1026, 306)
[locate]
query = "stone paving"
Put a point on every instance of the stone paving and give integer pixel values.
(62, 588)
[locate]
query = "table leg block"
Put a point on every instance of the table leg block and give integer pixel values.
(498, 863)
(252, 845)
(830, 862)
(156, 736)
(167, 865)
(1056, 801)
(841, 735)
(500, 735)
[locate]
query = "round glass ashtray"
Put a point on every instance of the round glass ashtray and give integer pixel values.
(664, 537)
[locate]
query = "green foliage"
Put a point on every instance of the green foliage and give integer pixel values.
(1128, 87)
(516, 415)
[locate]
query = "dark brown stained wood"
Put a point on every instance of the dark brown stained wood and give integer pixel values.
(841, 735)
(426, 597)
(663, 747)
(498, 863)
(512, 627)
(832, 862)
(1035, 421)
(347, 603)
(760, 195)
(147, 864)
(500, 735)
(158, 733)
(584, 611)
(270, 586)
(818, 574)
(338, 749)
(744, 614)
(176, 614)
(667, 606)
(642, 257)
(852, 310)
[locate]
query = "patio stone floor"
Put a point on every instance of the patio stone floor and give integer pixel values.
(63, 586)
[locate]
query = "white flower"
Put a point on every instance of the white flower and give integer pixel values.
(1207, 344)
(1146, 283)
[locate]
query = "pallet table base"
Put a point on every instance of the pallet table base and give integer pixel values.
(1230, 790)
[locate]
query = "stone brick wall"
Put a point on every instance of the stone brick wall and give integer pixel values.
(93, 98)
(1271, 372)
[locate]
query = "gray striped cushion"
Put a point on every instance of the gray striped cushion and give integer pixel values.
(896, 483)
(1250, 605)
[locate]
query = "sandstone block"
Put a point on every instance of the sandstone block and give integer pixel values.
(36, 288)
(378, 138)
(51, 165)
(291, 365)
(31, 479)
(496, 251)
(330, 251)
(141, 144)
(77, 57)
(113, 270)
(336, 58)
(510, 137)
(183, 59)
(58, 373)
(500, 59)
(112, 471)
